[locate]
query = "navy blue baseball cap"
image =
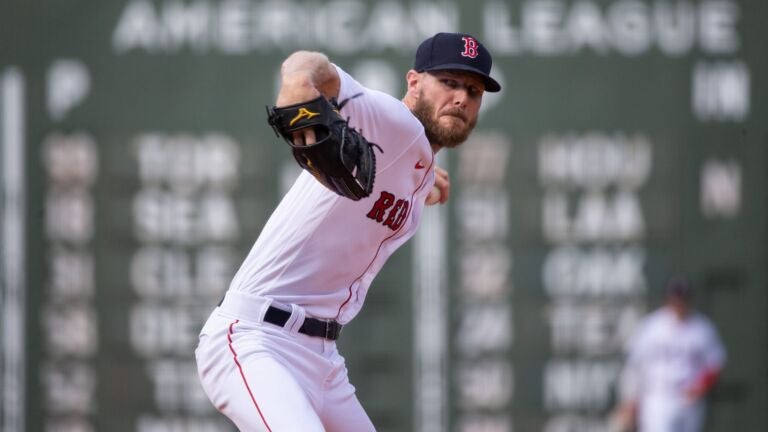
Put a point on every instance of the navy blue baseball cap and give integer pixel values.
(680, 287)
(456, 51)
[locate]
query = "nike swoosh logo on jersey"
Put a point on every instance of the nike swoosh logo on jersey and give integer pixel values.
(419, 165)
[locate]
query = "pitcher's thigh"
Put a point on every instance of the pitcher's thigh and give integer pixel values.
(265, 396)
(342, 412)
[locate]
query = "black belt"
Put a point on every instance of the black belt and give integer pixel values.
(312, 326)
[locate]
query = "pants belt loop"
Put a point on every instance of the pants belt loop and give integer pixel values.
(294, 323)
(263, 310)
(245, 306)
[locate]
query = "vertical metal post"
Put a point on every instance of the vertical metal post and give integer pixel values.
(12, 133)
(430, 321)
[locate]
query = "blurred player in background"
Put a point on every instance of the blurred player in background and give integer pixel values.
(267, 356)
(673, 360)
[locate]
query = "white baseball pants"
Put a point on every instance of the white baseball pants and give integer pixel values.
(267, 378)
(670, 414)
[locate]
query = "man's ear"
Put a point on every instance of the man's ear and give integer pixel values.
(413, 80)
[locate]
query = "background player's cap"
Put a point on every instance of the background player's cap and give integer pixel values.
(679, 287)
(456, 51)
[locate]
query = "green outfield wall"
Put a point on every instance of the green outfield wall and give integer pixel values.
(628, 144)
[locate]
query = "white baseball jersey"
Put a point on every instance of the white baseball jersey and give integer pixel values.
(320, 250)
(317, 256)
(666, 356)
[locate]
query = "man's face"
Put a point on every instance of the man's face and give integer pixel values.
(448, 105)
(680, 306)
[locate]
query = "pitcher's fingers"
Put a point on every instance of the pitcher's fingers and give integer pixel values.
(443, 183)
(309, 136)
(433, 197)
(298, 138)
(440, 172)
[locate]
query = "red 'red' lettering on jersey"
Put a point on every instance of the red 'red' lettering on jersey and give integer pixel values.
(384, 202)
(470, 47)
(400, 218)
(395, 211)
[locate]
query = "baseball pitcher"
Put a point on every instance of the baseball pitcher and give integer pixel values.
(267, 356)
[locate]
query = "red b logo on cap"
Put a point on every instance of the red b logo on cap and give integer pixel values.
(470, 47)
